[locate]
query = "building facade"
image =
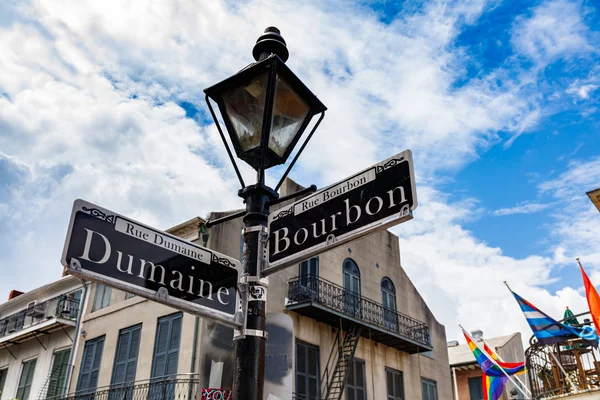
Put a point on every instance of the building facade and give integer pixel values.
(361, 330)
(38, 337)
(467, 375)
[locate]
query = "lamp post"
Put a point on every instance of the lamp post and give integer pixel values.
(265, 109)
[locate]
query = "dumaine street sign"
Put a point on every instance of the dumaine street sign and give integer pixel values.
(108, 248)
(379, 197)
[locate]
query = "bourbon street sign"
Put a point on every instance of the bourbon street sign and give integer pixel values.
(108, 248)
(377, 198)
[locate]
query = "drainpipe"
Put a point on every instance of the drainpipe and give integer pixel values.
(71, 367)
(455, 385)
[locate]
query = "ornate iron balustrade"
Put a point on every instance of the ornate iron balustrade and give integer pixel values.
(177, 387)
(59, 307)
(311, 288)
(562, 368)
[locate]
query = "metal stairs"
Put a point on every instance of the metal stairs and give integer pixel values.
(339, 363)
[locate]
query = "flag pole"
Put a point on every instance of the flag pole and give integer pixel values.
(496, 364)
(501, 360)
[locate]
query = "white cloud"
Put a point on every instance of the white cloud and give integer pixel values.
(556, 29)
(527, 208)
(583, 91)
(88, 108)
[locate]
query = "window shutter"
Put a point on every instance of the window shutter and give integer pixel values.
(58, 373)
(90, 364)
(25, 380)
(126, 357)
(166, 349)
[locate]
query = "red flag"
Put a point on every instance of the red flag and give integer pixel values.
(593, 298)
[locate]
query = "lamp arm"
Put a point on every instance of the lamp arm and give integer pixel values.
(287, 171)
(237, 171)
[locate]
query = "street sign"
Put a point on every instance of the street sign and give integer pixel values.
(108, 248)
(379, 197)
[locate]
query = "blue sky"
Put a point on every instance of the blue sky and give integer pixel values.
(498, 101)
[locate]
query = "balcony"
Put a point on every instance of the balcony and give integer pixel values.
(327, 302)
(177, 387)
(39, 318)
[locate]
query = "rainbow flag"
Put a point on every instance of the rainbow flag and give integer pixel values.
(493, 386)
(488, 366)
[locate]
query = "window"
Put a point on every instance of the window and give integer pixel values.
(129, 296)
(395, 384)
(127, 354)
(307, 371)
(166, 346)
(102, 297)
(429, 389)
(25, 380)
(475, 388)
(388, 300)
(3, 373)
(309, 272)
(58, 373)
(356, 388)
(309, 268)
(351, 275)
(166, 357)
(90, 364)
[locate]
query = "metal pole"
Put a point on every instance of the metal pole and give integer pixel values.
(455, 385)
(250, 340)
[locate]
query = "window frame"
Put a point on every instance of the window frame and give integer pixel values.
(430, 384)
(99, 304)
(479, 387)
(171, 318)
(22, 386)
(122, 332)
(59, 390)
(89, 343)
(394, 372)
(352, 372)
(3, 374)
(305, 375)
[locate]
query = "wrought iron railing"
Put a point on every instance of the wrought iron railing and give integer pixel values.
(176, 387)
(59, 307)
(311, 288)
(562, 368)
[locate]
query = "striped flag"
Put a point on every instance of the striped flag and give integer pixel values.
(549, 331)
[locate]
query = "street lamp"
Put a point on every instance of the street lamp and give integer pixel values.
(266, 109)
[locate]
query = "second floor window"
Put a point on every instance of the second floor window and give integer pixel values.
(102, 297)
(429, 389)
(25, 380)
(307, 371)
(309, 271)
(90, 364)
(126, 357)
(475, 388)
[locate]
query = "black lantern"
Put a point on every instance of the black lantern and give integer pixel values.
(265, 107)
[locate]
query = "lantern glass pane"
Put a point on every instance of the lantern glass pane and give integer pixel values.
(289, 112)
(245, 106)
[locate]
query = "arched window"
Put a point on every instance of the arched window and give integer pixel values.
(388, 294)
(351, 276)
(388, 299)
(352, 287)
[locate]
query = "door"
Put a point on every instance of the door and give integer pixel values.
(58, 373)
(309, 275)
(351, 288)
(90, 365)
(124, 368)
(356, 384)
(166, 357)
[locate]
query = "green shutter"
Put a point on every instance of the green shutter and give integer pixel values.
(90, 364)
(24, 387)
(58, 373)
(127, 354)
(166, 348)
